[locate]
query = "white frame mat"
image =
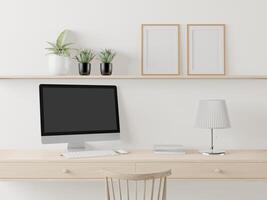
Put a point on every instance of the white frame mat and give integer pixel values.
(160, 49)
(206, 49)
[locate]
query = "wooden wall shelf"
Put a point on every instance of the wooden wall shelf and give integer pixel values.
(6, 77)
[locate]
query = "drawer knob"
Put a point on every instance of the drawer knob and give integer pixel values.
(218, 170)
(65, 171)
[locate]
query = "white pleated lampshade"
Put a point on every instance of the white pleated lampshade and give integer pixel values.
(212, 114)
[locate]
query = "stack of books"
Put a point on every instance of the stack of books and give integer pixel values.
(169, 149)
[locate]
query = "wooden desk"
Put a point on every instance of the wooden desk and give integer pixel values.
(43, 164)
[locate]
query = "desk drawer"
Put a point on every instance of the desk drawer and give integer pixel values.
(60, 170)
(208, 170)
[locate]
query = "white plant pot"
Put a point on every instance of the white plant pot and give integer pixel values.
(58, 65)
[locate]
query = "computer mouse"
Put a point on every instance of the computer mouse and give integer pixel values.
(121, 151)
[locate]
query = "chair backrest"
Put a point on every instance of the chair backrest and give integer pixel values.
(150, 186)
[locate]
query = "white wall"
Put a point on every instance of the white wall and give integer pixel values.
(152, 111)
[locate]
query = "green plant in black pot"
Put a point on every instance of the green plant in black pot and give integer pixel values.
(106, 56)
(84, 59)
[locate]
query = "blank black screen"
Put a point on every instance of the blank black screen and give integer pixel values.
(78, 109)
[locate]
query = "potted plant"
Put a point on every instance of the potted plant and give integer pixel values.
(59, 55)
(106, 56)
(84, 59)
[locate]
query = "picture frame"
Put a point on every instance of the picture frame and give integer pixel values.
(206, 49)
(160, 51)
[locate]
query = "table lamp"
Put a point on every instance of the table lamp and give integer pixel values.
(212, 114)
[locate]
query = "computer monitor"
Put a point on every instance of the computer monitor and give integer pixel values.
(75, 114)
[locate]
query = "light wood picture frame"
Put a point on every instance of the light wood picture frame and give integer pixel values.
(206, 49)
(160, 51)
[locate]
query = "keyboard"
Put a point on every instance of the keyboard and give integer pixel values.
(89, 154)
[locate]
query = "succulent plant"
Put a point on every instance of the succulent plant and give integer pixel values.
(60, 47)
(106, 55)
(85, 56)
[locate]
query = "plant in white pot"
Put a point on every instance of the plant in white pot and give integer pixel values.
(59, 60)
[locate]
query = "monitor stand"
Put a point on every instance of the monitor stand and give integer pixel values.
(79, 146)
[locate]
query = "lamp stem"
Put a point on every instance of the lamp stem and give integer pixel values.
(211, 151)
(212, 144)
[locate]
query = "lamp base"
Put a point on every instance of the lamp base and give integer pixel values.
(213, 152)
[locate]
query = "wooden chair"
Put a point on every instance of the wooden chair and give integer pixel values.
(136, 186)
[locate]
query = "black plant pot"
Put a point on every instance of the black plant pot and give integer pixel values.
(106, 68)
(84, 68)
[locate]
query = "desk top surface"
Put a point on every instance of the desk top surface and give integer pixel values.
(134, 156)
